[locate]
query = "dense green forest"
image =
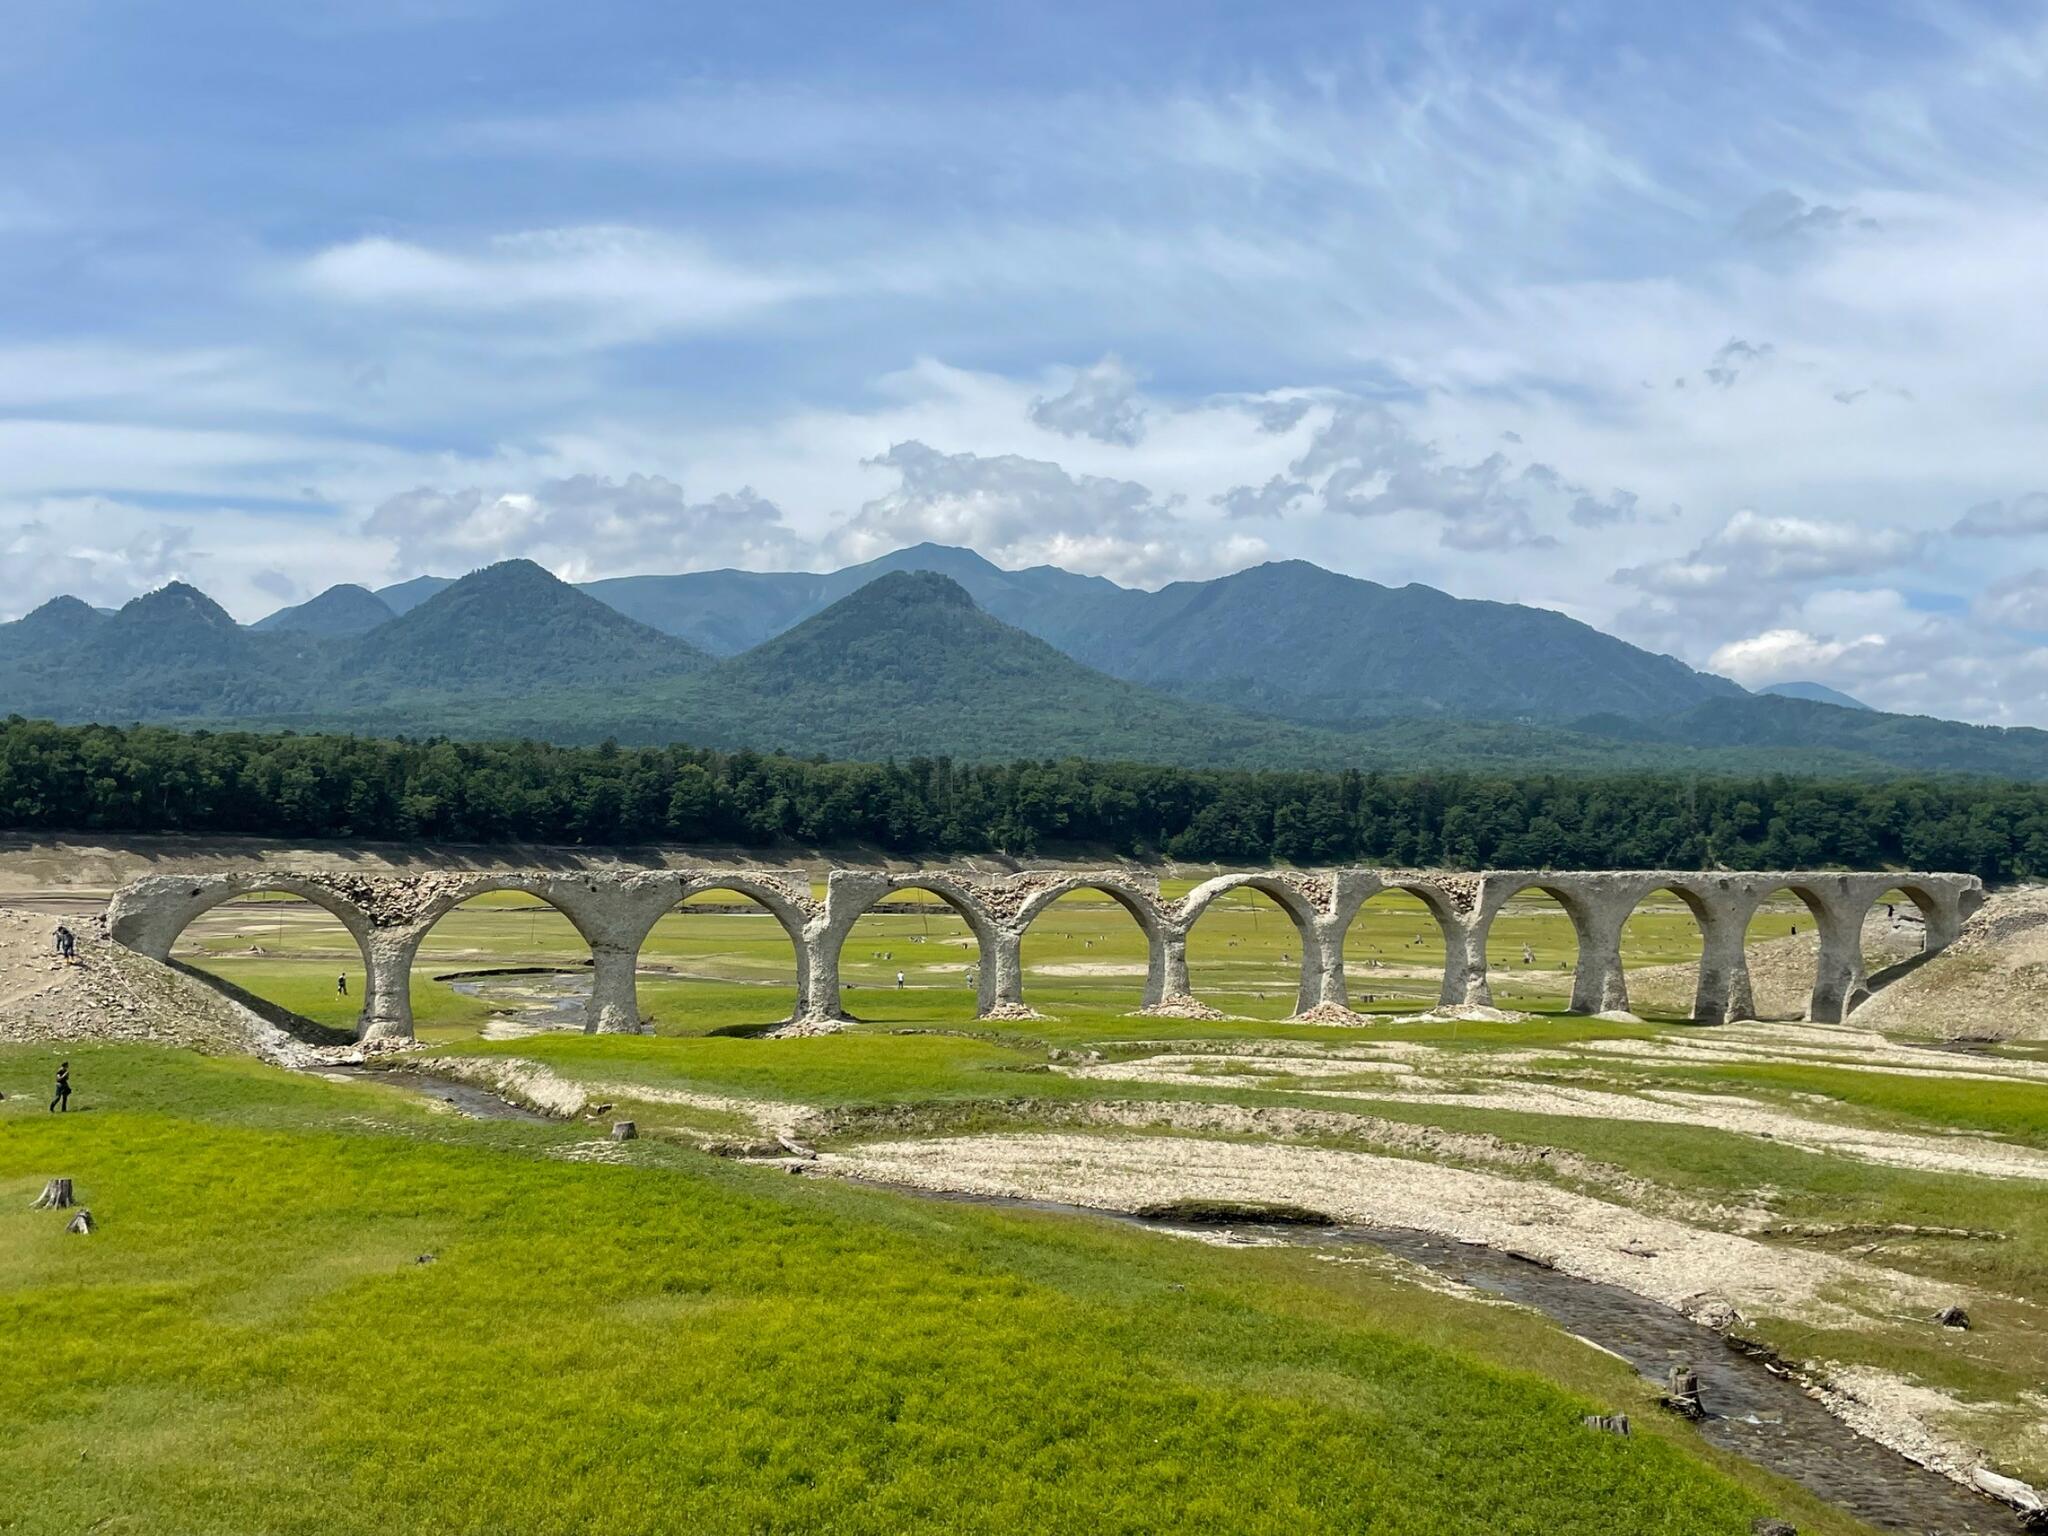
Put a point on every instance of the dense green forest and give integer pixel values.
(150, 779)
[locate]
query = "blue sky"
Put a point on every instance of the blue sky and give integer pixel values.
(1724, 330)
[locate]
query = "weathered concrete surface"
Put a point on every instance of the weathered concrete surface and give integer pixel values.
(614, 912)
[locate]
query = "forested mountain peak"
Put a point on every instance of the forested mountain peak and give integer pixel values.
(907, 665)
(906, 588)
(512, 625)
(344, 609)
(903, 624)
(176, 603)
(63, 617)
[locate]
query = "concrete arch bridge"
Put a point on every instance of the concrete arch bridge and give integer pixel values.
(614, 911)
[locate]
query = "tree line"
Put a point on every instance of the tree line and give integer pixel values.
(151, 779)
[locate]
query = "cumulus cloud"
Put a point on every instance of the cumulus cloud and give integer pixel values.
(1367, 462)
(1878, 646)
(76, 547)
(1590, 511)
(1101, 403)
(583, 526)
(2013, 519)
(276, 583)
(1787, 655)
(1020, 512)
(1755, 552)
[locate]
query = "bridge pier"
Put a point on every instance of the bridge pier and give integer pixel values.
(614, 991)
(387, 986)
(1723, 992)
(1002, 972)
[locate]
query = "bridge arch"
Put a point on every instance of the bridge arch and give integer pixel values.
(416, 936)
(201, 899)
(1142, 904)
(1786, 955)
(1590, 990)
(1720, 981)
(150, 916)
(958, 895)
(790, 912)
(1293, 902)
(1377, 969)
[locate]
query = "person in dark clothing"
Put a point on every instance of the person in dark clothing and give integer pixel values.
(67, 945)
(341, 985)
(63, 1099)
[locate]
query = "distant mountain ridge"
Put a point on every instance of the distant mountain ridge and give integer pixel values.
(1287, 638)
(934, 650)
(1813, 693)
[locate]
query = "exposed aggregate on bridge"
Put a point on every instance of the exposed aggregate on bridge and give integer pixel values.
(615, 911)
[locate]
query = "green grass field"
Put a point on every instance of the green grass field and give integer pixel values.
(251, 1342)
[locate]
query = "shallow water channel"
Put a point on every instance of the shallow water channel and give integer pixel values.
(526, 1001)
(1751, 1410)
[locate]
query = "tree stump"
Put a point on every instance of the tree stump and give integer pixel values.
(1682, 1395)
(82, 1223)
(56, 1196)
(1764, 1525)
(1608, 1423)
(1952, 1316)
(624, 1130)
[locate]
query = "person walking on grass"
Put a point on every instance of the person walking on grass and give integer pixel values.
(341, 985)
(899, 981)
(63, 1099)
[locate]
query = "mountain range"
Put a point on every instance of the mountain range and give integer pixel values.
(935, 650)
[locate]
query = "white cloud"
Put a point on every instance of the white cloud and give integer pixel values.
(1101, 403)
(1783, 216)
(1786, 655)
(1736, 357)
(583, 527)
(1019, 512)
(2018, 602)
(1759, 555)
(77, 548)
(1371, 463)
(608, 283)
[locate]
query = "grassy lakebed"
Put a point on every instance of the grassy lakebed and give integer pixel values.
(318, 1304)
